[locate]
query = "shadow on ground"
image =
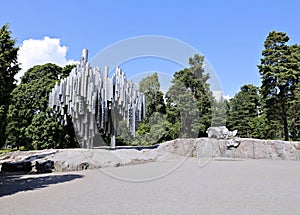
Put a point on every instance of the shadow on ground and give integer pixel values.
(39, 156)
(14, 183)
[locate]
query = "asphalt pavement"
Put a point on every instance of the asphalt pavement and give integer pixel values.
(171, 187)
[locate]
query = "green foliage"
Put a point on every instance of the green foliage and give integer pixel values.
(220, 111)
(294, 113)
(150, 86)
(45, 132)
(5, 150)
(66, 70)
(152, 129)
(182, 108)
(244, 109)
(124, 137)
(2, 110)
(9, 67)
(152, 132)
(280, 72)
(31, 124)
(190, 80)
(186, 114)
(258, 127)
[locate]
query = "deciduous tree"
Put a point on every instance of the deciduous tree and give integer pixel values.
(195, 80)
(31, 123)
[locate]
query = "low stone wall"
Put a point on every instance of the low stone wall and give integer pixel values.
(80, 159)
(248, 148)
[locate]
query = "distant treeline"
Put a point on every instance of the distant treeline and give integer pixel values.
(186, 110)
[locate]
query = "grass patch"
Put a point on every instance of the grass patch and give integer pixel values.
(3, 151)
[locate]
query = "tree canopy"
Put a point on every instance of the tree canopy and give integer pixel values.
(150, 86)
(31, 123)
(187, 110)
(195, 80)
(184, 112)
(244, 109)
(280, 73)
(9, 67)
(152, 129)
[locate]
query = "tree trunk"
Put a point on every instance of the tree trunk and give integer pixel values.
(285, 123)
(294, 124)
(18, 144)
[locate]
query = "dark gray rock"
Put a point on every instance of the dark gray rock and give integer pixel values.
(17, 166)
(44, 167)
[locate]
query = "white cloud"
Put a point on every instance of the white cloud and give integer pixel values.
(36, 52)
(227, 97)
(218, 94)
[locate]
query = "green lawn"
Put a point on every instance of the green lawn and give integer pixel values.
(3, 151)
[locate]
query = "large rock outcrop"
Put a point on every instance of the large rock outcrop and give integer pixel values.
(248, 148)
(207, 148)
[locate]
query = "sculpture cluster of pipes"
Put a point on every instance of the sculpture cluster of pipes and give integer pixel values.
(94, 100)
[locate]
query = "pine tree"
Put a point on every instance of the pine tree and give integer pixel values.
(295, 113)
(279, 70)
(244, 109)
(9, 67)
(294, 100)
(220, 112)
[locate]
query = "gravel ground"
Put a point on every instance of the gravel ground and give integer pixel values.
(220, 187)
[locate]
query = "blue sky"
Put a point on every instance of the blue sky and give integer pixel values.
(229, 33)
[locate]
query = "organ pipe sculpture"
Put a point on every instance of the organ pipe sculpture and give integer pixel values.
(94, 100)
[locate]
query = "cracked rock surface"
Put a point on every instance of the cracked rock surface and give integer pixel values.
(81, 159)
